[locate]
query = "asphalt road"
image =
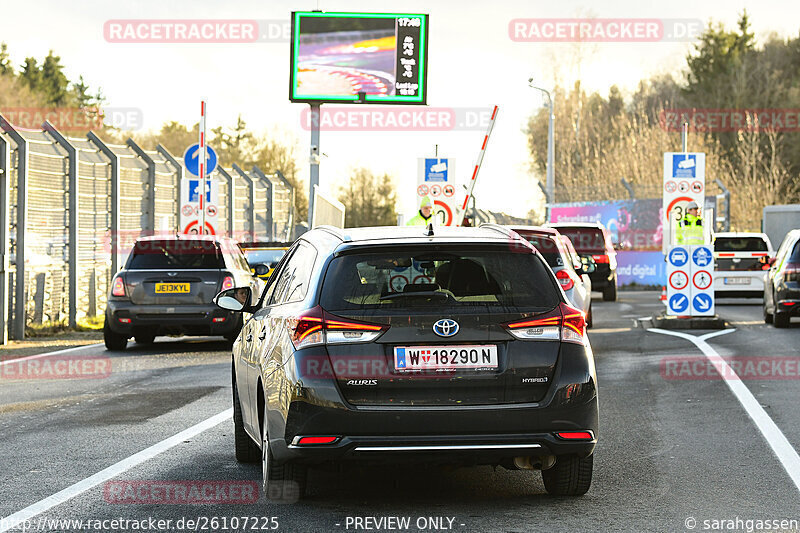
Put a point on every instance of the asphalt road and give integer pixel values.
(674, 451)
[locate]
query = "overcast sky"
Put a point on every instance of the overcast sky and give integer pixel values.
(473, 63)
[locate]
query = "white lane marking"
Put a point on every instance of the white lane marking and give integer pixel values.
(16, 519)
(625, 307)
(783, 449)
(47, 354)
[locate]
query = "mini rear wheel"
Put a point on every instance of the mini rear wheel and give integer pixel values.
(767, 315)
(781, 320)
(570, 476)
(610, 292)
(113, 341)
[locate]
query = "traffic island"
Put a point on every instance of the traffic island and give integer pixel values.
(688, 322)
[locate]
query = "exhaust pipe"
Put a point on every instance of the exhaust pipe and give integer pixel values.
(542, 462)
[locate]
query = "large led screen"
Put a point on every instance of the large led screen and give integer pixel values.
(336, 56)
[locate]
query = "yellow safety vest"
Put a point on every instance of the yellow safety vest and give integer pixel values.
(419, 220)
(690, 230)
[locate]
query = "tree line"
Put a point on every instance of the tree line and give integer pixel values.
(601, 139)
(369, 199)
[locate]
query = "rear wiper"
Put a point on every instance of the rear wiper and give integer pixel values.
(417, 294)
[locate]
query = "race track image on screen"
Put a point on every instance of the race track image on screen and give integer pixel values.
(336, 56)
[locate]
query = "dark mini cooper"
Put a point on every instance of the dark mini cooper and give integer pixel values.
(385, 345)
(167, 288)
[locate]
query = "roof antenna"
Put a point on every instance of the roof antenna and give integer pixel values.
(429, 231)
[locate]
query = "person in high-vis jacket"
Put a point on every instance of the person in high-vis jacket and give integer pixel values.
(425, 214)
(690, 228)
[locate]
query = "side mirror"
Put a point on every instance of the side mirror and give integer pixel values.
(261, 269)
(237, 299)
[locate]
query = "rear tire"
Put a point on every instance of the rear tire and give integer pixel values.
(113, 341)
(570, 476)
(610, 292)
(144, 339)
(285, 482)
(246, 450)
(781, 320)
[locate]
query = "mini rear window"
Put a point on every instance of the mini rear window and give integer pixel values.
(454, 278)
(740, 244)
(175, 255)
(585, 239)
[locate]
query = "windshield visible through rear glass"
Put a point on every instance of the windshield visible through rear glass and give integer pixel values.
(585, 239)
(267, 257)
(740, 244)
(175, 255)
(425, 278)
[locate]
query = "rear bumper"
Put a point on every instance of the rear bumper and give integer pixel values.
(161, 320)
(463, 449)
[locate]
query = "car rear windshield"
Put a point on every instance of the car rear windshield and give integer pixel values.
(740, 244)
(547, 247)
(175, 255)
(450, 277)
(585, 239)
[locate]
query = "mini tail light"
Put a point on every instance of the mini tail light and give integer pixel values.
(302, 441)
(118, 288)
(564, 278)
(600, 258)
(563, 323)
(575, 435)
(726, 254)
(316, 326)
(228, 283)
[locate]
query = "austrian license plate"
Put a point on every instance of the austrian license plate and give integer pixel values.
(173, 288)
(737, 281)
(408, 358)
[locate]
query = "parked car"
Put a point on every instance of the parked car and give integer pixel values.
(475, 358)
(594, 240)
(566, 264)
(782, 283)
(167, 287)
(267, 254)
(740, 260)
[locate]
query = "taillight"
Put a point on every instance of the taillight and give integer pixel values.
(228, 283)
(303, 441)
(565, 279)
(575, 435)
(600, 258)
(316, 326)
(563, 323)
(118, 288)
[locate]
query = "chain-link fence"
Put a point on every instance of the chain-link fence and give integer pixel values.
(71, 208)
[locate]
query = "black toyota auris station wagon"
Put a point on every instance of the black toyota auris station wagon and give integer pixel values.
(429, 345)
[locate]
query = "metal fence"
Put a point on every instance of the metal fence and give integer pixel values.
(71, 208)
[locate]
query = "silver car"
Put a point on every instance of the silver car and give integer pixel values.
(567, 265)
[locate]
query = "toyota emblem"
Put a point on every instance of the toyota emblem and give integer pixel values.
(445, 327)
